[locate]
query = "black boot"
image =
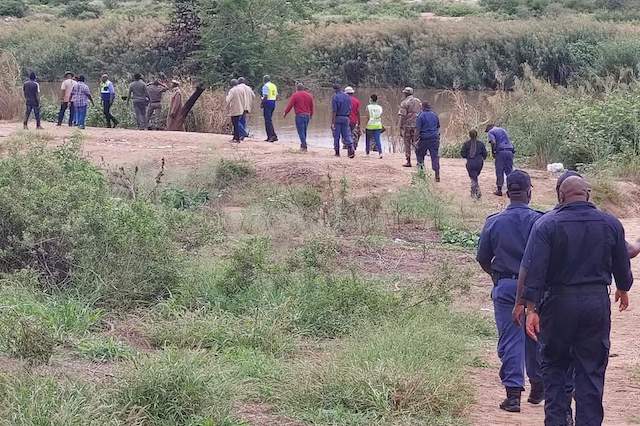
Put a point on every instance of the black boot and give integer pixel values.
(337, 154)
(512, 402)
(498, 192)
(536, 396)
(438, 176)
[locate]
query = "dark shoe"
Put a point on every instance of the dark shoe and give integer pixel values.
(235, 141)
(303, 149)
(351, 152)
(274, 139)
(512, 402)
(267, 140)
(58, 125)
(407, 164)
(25, 127)
(337, 153)
(498, 192)
(536, 396)
(437, 176)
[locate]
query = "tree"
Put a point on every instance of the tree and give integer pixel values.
(184, 36)
(250, 37)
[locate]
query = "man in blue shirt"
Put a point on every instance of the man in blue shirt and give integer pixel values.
(502, 244)
(428, 135)
(503, 152)
(341, 108)
(571, 255)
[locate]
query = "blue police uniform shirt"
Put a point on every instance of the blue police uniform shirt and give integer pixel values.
(575, 244)
(428, 125)
(504, 238)
(341, 104)
(500, 138)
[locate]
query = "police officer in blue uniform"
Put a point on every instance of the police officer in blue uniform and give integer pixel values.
(571, 255)
(502, 243)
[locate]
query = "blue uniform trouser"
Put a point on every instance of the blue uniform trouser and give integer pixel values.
(514, 349)
(431, 146)
(575, 326)
(36, 113)
(268, 107)
(302, 124)
(343, 130)
(242, 124)
(504, 166)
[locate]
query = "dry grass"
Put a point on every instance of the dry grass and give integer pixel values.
(208, 114)
(10, 96)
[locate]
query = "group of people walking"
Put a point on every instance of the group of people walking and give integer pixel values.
(75, 97)
(419, 124)
(551, 274)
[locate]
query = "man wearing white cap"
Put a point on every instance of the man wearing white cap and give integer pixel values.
(410, 107)
(354, 117)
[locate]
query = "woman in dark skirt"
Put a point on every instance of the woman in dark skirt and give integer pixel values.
(475, 152)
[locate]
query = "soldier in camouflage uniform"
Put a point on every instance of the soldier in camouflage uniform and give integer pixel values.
(410, 107)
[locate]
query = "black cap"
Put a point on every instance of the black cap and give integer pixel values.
(518, 181)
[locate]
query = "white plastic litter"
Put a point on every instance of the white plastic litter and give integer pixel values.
(555, 168)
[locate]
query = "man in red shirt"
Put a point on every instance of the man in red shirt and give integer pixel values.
(354, 117)
(302, 103)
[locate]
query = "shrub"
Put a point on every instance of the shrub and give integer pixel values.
(81, 9)
(328, 306)
(26, 338)
(229, 173)
(246, 263)
(410, 370)
(177, 388)
(16, 8)
(60, 220)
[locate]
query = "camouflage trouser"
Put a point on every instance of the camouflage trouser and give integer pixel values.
(409, 136)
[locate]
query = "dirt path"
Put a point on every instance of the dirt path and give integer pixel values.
(283, 163)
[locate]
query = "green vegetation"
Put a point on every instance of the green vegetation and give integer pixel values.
(16, 8)
(191, 315)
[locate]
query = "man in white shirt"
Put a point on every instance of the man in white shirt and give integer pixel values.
(235, 106)
(65, 98)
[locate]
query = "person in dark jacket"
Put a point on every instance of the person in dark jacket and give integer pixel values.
(31, 90)
(428, 138)
(475, 152)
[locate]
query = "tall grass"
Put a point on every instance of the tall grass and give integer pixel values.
(11, 105)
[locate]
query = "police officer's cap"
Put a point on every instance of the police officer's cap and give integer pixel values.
(518, 181)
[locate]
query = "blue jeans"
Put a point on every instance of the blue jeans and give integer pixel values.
(504, 166)
(235, 121)
(343, 130)
(377, 137)
(81, 115)
(242, 123)
(514, 348)
(268, 107)
(302, 124)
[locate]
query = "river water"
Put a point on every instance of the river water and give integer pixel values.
(319, 132)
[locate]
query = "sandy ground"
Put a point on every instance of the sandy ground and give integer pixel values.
(283, 163)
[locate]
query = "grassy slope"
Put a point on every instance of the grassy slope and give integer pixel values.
(289, 327)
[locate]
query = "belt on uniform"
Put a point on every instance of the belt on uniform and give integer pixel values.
(506, 150)
(580, 289)
(342, 115)
(502, 276)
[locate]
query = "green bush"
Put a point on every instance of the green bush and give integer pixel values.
(16, 8)
(60, 220)
(229, 173)
(177, 388)
(26, 338)
(410, 370)
(81, 9)
(328, 306)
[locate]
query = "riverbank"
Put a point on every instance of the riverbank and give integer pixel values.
(400, 245)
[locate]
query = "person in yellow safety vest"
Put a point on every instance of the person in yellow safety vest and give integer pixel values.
(269, 96)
